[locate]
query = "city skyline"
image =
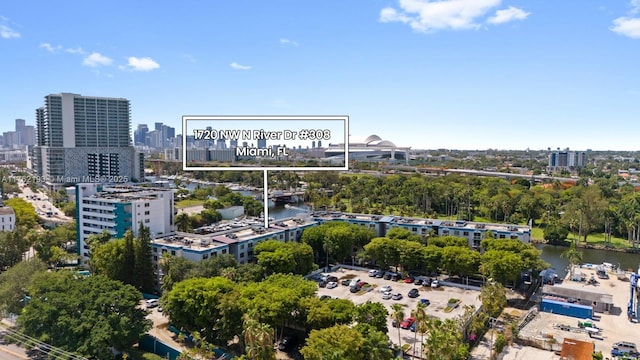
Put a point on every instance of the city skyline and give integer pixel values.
(463, 74)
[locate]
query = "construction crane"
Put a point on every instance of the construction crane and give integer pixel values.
(633, 309)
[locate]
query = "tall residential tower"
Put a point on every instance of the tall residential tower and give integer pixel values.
(81, 138)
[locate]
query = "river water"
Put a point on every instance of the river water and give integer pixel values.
(551, 254)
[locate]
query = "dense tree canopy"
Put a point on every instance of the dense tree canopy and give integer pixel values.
(89, 316)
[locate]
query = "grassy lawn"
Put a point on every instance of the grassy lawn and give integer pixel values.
(188, 202)
(593, 239)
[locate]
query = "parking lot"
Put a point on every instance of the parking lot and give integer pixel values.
(438, 298)
(614, 325)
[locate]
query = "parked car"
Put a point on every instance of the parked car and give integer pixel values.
(417, 281)
(151, 303)
(413, 293)
(373, 273)
(387, 276)
(395, 277)
(386, 288)
(397, 296)
(287, 343)
(346, 282)
(426, 302)
(322, 284)
(353, 289)
(624, 348)
(413, 326)
(408, 280)
(380, 274)
(406, 324)
(386, 295)
(354, 282)
(332, 284)
(325, 297)
(332, 278)
(435, 284)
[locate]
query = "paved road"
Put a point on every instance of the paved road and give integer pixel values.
(10, 351)
(42, 204)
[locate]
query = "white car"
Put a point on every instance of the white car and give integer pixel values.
(386, 288)
(332, 284)
(386, 296)
(435, 284)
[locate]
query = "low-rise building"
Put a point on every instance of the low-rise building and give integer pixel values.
(118, 208)
(7, 219)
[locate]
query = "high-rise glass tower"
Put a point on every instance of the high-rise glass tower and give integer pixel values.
(80, 138)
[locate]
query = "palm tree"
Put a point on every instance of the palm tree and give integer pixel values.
(376, 346)
(258, 339)
(572, 254)
(182, 222)
(420, 316)
(397, 314)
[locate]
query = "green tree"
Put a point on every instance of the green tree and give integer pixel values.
(572, 254)
(460, 261)
(555, 233)
(258, 339)
(12, 247)
(372, 313)
(89, 316)
(14, 284)
(397, 315)
(143, 264)
(193, 304)
(183, 223)
(25, 213)
(335, 343)
(501, 265)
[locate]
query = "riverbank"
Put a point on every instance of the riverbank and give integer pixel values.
(590, 246)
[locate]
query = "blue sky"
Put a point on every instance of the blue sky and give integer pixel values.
(458, 74)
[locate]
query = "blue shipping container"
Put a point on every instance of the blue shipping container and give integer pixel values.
(568, 309)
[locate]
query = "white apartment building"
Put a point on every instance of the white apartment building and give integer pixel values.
(7, 219)
(118, 208)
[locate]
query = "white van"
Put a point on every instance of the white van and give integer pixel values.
(151, 303)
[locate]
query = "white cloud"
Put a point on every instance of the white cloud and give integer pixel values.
(75, 51)
(8, 33)
(430, 16)
(142, 64)
(509, 14)
(627, 26)
(96, 59)
(50, 48)
(237, 66)
(635, 6)
(285, 41)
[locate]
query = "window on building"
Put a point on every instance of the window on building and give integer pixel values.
(241, 255)
(146, 221)
(155, 250)
(205, 256)
(456, 233)
(164, 251)
(146, 212)
(502, 236)
(465, 233)
(146, 204)
(241, 246)
(173, 252)
(224, 251)
(155, 258)
(514, 237)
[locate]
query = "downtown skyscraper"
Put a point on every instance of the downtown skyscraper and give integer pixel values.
(85, 139)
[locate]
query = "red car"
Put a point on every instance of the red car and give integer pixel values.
(408, 280)
(407, 323)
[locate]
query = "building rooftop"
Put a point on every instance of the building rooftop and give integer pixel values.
(127, 192)
(400, 220)
(6, 210)
(188, 241)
